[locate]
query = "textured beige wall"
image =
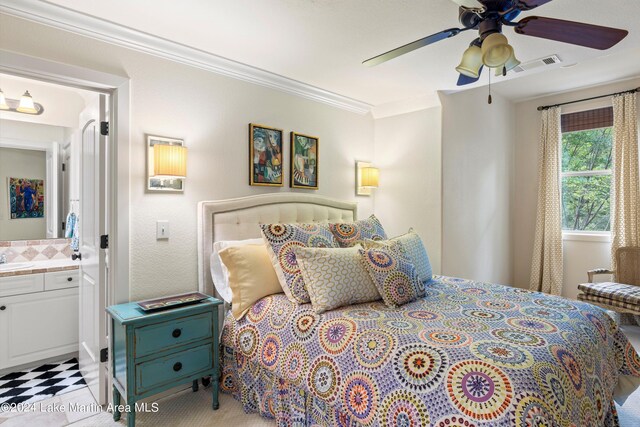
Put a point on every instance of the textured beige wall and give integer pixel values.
(477, 186)
(579, 256)
(408, 153)
(211, 113)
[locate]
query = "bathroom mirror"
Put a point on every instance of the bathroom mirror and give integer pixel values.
(33, 180)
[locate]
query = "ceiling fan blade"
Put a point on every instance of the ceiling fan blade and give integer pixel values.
(577, 33)
(466, 80)
(531, 4)
(412, 46)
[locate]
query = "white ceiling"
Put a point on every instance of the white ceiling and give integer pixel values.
(323, 42)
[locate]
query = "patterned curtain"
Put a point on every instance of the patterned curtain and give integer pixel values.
(625, 188)
(546, 267)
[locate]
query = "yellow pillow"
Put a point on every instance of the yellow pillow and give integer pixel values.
(251, 276)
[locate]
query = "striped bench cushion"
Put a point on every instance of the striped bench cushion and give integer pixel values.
(628, 294)
(609, 303)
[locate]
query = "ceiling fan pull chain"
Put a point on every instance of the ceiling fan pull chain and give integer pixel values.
(504, 71)
(490, 100)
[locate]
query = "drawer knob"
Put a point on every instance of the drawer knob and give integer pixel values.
(3, 308)
(176, 333)
(69, 279)
(177, 366)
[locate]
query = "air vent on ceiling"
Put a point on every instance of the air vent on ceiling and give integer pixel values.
(543, 62)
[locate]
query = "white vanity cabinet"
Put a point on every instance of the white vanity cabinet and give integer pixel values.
(38, 317)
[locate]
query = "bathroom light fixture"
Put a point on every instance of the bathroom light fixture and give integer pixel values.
(367, 178)
(3, 101)
(166, 164)
(25, 105)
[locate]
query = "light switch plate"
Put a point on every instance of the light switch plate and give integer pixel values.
(162, 229)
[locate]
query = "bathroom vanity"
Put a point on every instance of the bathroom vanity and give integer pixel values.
(38, 311)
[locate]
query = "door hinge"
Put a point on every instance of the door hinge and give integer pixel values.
(64, 167)
(104, 241)
(104, 354)
(104, 128)
(63, 224)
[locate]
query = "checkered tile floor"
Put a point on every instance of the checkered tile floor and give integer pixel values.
(41, 383)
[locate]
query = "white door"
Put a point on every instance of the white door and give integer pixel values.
(92, 333)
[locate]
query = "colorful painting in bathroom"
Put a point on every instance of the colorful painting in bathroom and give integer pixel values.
(26, 198)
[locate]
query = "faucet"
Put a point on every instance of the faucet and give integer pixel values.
(3, 259)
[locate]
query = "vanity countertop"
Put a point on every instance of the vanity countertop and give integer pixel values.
(43, 267)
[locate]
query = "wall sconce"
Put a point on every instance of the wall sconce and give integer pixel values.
(366, 178)
(25, 105)
(166, 164)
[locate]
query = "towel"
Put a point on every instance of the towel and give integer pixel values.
(70, 225)
(71, 231)
(75, 240)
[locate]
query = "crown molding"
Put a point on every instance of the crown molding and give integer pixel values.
(76, 22)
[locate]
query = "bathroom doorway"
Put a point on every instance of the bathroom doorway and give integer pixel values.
(94, 157)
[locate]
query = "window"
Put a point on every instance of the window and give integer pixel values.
(586, 170)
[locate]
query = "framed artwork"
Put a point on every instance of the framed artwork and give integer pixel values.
(304, 161)
(175, 185)
(26, 198)
(265, 156)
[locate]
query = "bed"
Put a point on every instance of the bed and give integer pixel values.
(467, 354)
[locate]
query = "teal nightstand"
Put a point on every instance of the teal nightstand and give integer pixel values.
(153, 352)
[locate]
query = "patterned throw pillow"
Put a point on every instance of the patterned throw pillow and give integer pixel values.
(335, 277)
(348, 233)
(412, 248)
(281, 239)
(394, 276)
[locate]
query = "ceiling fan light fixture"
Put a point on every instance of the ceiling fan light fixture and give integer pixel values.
(511, 63)
(470, 4)
(471, 62)
(496, 50)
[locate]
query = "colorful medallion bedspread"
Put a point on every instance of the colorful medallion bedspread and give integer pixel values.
(467, 354)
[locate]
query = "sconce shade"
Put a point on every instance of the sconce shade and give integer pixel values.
(496, 50)
(169, 161)
(3, 101)
(369, 177)
(471, 62)
(26, 104)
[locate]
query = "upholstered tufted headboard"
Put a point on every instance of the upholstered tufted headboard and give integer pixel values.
(238, 219)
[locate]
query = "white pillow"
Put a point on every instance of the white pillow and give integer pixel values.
(219, 272)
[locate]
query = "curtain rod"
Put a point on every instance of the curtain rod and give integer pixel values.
(546, 107)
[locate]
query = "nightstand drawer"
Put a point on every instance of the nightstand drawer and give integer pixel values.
(171, 368)
(162, 336)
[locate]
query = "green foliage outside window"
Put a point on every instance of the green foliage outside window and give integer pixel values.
(586, 180)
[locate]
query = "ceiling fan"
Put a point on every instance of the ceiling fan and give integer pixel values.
(491, 48)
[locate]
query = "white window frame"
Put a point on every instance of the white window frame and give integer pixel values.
(587, 236)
